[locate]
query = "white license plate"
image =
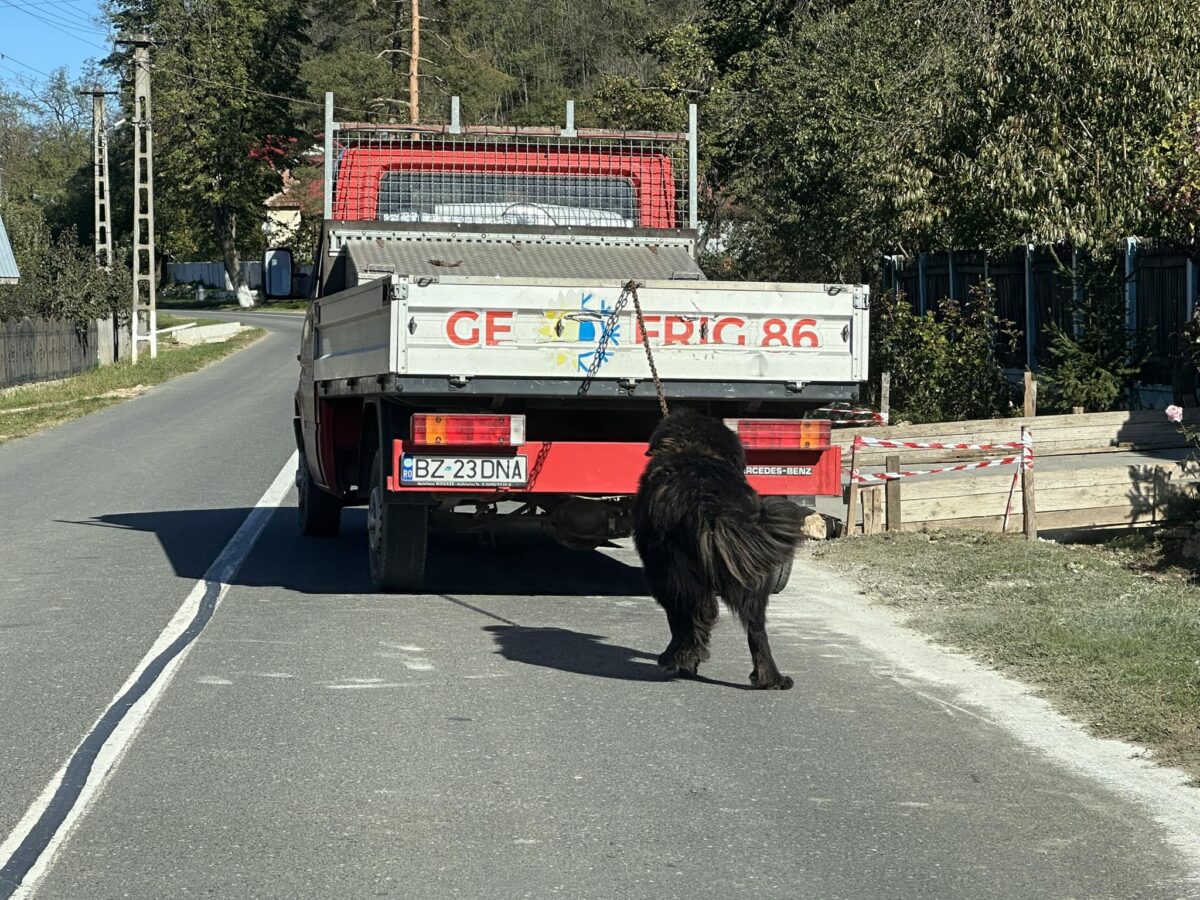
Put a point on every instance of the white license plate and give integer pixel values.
(464, 471)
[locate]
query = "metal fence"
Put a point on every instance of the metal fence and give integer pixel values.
(494, 175)
(44, 349)
(1034, 288)
(212, 274)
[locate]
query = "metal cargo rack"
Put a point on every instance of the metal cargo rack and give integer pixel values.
(576, 183)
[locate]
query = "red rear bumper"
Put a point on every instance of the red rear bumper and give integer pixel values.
(609, 469)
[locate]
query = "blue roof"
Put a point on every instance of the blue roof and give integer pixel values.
(8, 262)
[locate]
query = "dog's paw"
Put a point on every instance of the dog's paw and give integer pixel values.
(778, 683)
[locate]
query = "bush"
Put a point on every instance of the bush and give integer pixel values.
(1096, 369)
(59, 276)
(1094, 372)
(944, 367)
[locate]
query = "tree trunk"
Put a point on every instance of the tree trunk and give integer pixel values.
(226, 228)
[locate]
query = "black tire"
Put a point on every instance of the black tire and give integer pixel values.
(320, 513)
(397, 538)
(781, 576)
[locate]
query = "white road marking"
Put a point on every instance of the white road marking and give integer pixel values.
(373, 685)
(212, 679)
(823, 599)
(220, 573)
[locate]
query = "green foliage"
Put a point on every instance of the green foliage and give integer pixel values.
(846, 130)
(1061, 116)
(46, 152)
(224, 129)
(508, 62)
(1175, 176)
(1093, 372)
(59, 278)
(945, 367)
(1096, 368)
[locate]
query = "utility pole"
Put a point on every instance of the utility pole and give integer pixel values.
(102, 218)
(414, 83)
(145, 315)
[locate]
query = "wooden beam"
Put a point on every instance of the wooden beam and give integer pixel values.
(852, 499)
(1028, 501)
(893, 494)
(414, 78)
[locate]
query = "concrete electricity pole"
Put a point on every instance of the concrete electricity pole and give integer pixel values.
(102, 219)
(145, 315)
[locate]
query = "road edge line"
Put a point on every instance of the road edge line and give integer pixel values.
(28, 851)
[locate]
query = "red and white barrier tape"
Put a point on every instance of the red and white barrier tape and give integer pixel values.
(884, 444)
(884, 477)
(1025, 445)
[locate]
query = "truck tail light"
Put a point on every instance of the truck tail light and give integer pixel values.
(459, 430)
(782, 434)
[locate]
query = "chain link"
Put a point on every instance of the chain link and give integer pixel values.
(629, 291)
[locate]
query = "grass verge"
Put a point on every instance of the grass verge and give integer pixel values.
(30, 408)
(1110, 634)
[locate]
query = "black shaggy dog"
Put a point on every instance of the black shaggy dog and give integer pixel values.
(701, 530)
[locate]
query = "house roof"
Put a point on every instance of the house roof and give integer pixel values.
(8, 263)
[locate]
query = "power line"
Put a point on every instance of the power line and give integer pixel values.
(59, 16)
(246, 90)
(22, 78)
(72, 5)
(25, 65)
(62, 27)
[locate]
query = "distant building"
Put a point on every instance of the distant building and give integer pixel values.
(8, 263)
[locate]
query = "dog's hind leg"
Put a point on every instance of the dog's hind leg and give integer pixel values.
(681, 626)
(679, 618)
(695, 650)
(751, 608)
(691, 622)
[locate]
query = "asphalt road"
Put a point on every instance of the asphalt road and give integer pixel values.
(505, 735)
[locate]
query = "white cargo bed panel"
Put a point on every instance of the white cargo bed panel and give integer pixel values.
(552, 328)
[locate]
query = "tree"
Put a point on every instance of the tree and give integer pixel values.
(1068, 105)
(508, 62)
(224, 126)
(852, 128)
(46, 150)
(1175, 177)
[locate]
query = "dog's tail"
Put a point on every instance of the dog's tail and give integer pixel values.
(749, 547)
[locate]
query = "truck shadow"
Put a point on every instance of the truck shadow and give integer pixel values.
(284, 558)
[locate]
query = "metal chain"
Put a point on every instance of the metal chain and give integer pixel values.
(637, 308)
(630, 290)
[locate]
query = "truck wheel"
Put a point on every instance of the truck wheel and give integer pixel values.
(397, 537)
(780, 577)
(320, 514)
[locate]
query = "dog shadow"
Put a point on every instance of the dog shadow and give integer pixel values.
(584, 654)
